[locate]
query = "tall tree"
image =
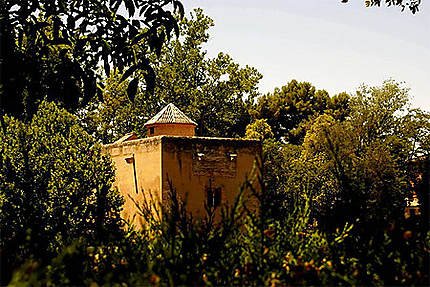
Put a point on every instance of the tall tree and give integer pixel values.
(53, 48)
(215, 92)
(289, 109)
(358, 167)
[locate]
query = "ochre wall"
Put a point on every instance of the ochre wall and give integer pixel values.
(194, 163)
(191, 163)
(186, 130)
(147, 158)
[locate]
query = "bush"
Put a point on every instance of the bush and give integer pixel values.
(55, 186)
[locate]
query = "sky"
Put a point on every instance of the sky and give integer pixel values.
(334, 46)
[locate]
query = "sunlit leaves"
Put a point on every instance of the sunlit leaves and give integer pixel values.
(289, 109)
(55, 181)
(217, 93)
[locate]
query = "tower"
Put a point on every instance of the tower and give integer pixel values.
(206, 171)
(170, 121)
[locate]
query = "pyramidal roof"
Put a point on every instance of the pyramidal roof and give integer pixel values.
(170, 114)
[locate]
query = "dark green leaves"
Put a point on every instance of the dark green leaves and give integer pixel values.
(132, 88)
(214, 92)
(53, 180)
(177, 5)
(129, 72)
(129, 5)
(94, 33)
(289, 108)
(413, 5)
(148, 75)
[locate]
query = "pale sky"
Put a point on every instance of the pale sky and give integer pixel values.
(334, 46)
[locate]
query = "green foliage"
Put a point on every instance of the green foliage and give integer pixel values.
(116, 115)
(244, 247)
(413, 5)
(55, 186)
(259, 129)
(335, 175)
(358, 170)
(216, 93)
(289, 109)
(357, 167)
(53, 48)
(356, 180)
(178, 249)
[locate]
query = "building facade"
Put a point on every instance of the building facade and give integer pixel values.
(204, 171)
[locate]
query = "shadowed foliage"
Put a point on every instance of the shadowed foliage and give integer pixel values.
(54, 48)
(413, 5)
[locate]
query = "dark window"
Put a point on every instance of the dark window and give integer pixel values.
(213, 197)
(151, 130)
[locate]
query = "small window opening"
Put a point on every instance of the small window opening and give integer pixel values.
(151, 130)
(213, 197)
(233, 156)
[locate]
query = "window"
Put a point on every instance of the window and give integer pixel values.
(151, 130)
(213, 197)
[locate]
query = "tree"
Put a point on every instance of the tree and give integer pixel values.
(351, 181)
(55, 186)
(53, 48)
(363, 160)
(259, 129)
(116, 115)
(288, 109)
(216, 93)
(413, 5)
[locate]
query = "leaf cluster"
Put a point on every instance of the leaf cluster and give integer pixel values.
(215, 92)
(55, 186)
(289, 109)
(413, 5)
(53, 48)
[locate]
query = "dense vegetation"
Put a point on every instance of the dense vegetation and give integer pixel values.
(336, 169)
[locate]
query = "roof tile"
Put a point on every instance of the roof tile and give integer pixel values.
(170, 114)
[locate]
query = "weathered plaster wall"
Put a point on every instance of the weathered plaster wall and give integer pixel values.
(172, 129)
(192, 164)
(147, 159)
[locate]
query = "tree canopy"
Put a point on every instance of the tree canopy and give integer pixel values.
(215, 92)
(54, 48)
(357, 167)
(289, 108)
(55, 185)
(335, 174)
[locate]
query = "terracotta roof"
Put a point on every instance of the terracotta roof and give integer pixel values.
(127, 137)
(170, 114)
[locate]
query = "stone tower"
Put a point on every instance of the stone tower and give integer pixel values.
(204, 170)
